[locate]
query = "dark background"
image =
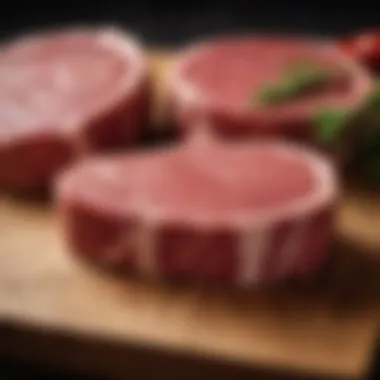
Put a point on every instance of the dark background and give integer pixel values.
(177, 23)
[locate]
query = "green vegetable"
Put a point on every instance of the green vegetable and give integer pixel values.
(308, 74)
(329, 124)
(271, 94)
(298, 79)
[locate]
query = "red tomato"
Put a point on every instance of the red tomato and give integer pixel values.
(363, 47)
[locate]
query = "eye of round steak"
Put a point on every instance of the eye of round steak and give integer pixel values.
(65, 93)
(242, 212)
(223, 80)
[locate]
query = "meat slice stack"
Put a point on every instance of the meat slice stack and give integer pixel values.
(237, 213)
(67, 93)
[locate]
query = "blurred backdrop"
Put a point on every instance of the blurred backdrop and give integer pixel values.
(175, 23)
(172, 23)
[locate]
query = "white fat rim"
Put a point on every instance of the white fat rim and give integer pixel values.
(324, 194)
(190, 95)
(111, 36)
(128, 47)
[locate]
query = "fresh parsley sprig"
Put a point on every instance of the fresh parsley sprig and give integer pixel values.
(299, 78)
(331, 123)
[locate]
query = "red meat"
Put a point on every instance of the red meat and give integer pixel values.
(237, 213)
(65, 94)
(217, 81)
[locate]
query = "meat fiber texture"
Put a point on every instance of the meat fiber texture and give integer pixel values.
(234, 213)
(217, 82)
(68, 93)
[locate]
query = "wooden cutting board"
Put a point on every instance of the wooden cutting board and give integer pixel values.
(326, 326)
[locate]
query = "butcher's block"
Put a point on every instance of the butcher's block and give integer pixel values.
(57, 310)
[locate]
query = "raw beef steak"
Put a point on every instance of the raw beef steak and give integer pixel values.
(64, 94)
(220, 82)
(236, 213)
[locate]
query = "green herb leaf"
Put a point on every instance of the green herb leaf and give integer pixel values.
(301, 77)
(329, 124)
(272, 94)
(307, 74)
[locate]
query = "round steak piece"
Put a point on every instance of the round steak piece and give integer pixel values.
(64, 94)
(263, 85)
(241, 213)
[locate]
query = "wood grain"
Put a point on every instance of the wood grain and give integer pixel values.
(325, 326)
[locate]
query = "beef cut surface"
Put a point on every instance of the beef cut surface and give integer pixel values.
(219, 82)
(66, 93)
(238, 213)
